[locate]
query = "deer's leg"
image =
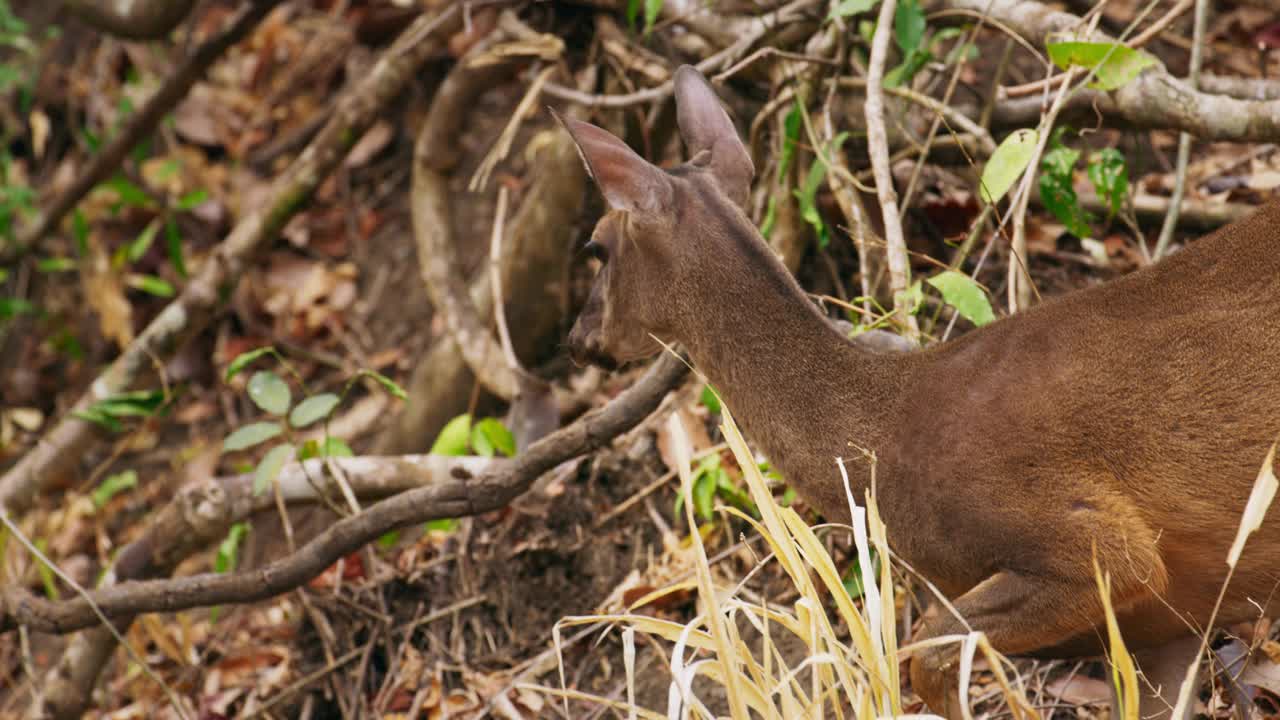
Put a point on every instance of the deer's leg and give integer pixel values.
(1019, 613)
(1162, 670)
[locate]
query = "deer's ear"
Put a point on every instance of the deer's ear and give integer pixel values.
(628, 181)
(706, 127)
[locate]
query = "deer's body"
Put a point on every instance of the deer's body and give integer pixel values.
(1131, 417)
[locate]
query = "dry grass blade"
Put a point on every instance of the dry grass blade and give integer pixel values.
(838, 677)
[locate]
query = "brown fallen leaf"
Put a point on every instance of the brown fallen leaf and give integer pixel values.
(1079, 690)
(104, 293)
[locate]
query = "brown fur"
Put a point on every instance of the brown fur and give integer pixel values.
(1130, 418)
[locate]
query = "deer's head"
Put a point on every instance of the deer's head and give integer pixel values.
(643, 241)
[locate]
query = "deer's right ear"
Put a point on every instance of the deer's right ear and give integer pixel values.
(706, 128)
(628, 181)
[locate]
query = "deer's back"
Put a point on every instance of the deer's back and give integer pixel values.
(1154, 397)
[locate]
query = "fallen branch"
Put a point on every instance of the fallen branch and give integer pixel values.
(61, 448)
(457, 494)
(1153, 100)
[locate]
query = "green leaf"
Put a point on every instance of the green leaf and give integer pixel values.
(852, 579)
(807, 194)
(633, 12)
(269, 469)
(335, 447)
(127, 193)
(704, 492)
(962, 293)
(911, 299)
(316, 407)
(1057, 194)
(1007, 163)
(902, 74)
(329, 447)
(138, 403)
(705, 480)
(790, 135)
(173, 246)
(770, 217)
(192, 199)
(113, 485)
(150, 284)
(652, 8)
(908, 26)
(387, 384)
(229, 549)
(847, 8)
(250, 435)
(11, 307)
(55, 264)
(454, 438)
(80, 231)
(99, 418)
(1060, 161)
(388, 540)
(1114, 64)
(142, 243)
(490, 437)
(242, 360)
(269, 392)
(1110, 177)
(440, 525)
(710, 399)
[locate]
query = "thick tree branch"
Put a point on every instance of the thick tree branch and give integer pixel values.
(456, 495)
(1155, 99)
(62, 447)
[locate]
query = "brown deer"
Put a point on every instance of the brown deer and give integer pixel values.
(1126, 421)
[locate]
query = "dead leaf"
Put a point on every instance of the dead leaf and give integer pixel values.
(104, 292)
(1079, 690)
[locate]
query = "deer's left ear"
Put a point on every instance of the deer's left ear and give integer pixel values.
(628, 181)
(706, 127)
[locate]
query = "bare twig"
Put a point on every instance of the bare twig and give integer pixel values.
(878, 148)
(1184, 139)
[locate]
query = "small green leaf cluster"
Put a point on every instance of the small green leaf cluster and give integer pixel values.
(1107, 172)
(271, 394)
(909, 34)
(487, 437)
(711, 480)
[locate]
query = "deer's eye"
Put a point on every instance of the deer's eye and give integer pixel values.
(597, 251)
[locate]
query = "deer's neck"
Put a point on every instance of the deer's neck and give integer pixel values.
(802, 392)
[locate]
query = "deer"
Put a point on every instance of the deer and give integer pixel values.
(1123, 423)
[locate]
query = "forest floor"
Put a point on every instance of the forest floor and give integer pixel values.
(454, 619)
